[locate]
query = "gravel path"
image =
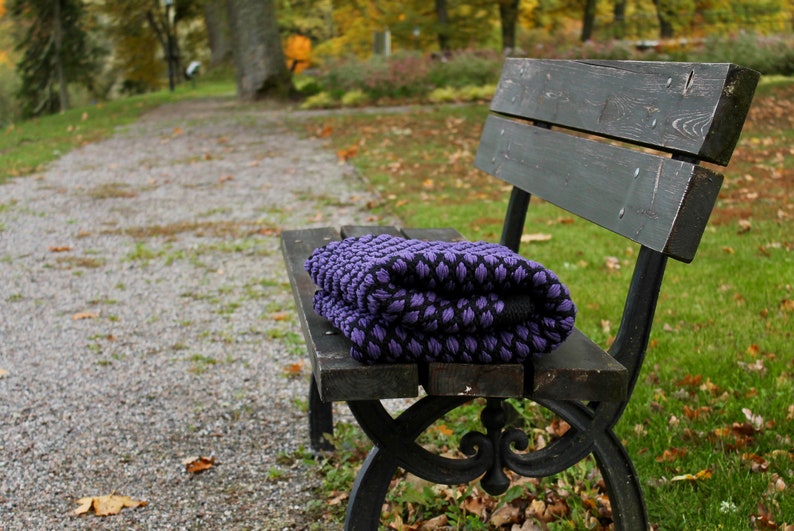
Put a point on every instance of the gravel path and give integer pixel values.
(146, 318)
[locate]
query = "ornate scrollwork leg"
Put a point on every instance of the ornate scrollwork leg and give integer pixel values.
(488, 454)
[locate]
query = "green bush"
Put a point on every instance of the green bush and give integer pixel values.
(354, 98)
(464, 69)
(770, 55)
(408, 75)
(321, 100)
(443, 95)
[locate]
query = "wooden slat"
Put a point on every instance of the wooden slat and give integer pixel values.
(579, 370)
(656, 201)
(694, 109)
(339, 377)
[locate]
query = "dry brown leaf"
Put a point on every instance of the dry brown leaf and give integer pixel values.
(194, 465)
(294, 369)
(338, 498)
(85, 315)
(537, 237)
(671, 454)
(699, 476)
(108, 505)
(439, 522)
(3, 373)
(59, 248)
(506, 514)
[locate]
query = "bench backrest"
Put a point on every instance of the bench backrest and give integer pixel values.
(655, 121)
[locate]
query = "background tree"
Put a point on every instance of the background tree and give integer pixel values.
(619, 19)
(135, 46)
(258, 56)
(588, 20)
(216, 20)
(508, 15)
(55, 51)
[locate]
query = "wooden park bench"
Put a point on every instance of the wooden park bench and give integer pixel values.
(618, 143)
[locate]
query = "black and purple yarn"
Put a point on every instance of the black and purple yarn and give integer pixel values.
(402, 300)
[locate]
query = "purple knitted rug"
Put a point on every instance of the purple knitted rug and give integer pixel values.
(402, 300)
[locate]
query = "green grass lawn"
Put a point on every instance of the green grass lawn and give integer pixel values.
(716, 395)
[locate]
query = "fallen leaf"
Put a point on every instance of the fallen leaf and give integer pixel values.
(506, 514)
(443, 430)
(59, 248)
(85, 315)
(280, 316)
(3, 373)
(194, 465)
(293, 369)
(757, 463)
(106, 505)
(224, 178)
(612, 263)
(671, 454)
(536, 237)
(338, 498)
(756, 420)
(178, 131)
(702, 475)
(346, 154)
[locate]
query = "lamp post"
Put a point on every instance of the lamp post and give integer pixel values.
(169, 39)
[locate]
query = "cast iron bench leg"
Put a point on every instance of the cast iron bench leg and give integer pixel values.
(373, 481)
(321, 420)
(623, 485)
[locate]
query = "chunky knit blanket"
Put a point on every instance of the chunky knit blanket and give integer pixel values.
(401, 300)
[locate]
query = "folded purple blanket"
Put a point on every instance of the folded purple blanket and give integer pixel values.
(402, 300)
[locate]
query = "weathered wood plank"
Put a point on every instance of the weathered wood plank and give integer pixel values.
(339, 377)
(656, 201)
(578, 370)
(686, 108)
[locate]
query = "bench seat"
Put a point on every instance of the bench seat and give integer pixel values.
(577, 370)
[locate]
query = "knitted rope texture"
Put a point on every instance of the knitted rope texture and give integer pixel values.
(402, 300)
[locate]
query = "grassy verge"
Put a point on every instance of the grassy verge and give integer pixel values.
(714, 403)
(27, 146)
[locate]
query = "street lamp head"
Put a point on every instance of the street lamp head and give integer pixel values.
(168, 3)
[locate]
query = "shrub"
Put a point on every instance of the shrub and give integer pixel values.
(770, 55)
(467, 68)
(443, 95)
(321, 100)
(398, 76)
(354, 98)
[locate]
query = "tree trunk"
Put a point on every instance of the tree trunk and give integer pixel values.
(258, 56)
(588, 21)
(508, 15)
(665, 26)
(443, 25)
(619, 13)
(216, 20)
(63, 93)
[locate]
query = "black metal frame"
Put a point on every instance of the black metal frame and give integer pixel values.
(489, 453)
